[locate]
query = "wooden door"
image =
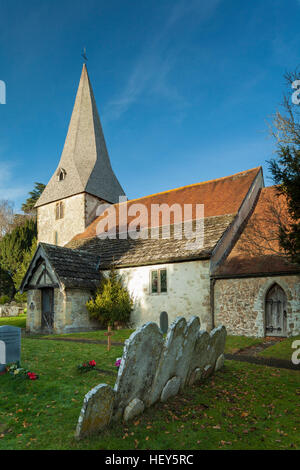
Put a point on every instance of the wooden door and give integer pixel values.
(47, 308)
(276, 312)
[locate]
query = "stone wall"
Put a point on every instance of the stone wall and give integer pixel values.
(11, 310)
(70, 313)
(239, 304)
(188, 292)
(70, 225)
(79, 212)
(34, 311)
(153, 369)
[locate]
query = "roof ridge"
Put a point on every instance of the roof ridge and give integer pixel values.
(189, 186)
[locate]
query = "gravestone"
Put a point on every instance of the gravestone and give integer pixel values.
(10, 345)
(138, 366)
(164, 322)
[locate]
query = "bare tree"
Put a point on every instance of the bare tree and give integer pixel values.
(261, 234)
(6, 216)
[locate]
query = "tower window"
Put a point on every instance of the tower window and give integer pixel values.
(61, 174)
(59, 210)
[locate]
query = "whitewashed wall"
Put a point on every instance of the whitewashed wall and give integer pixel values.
(188, 292)
(79, 212)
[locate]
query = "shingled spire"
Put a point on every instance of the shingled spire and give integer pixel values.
(84, 165)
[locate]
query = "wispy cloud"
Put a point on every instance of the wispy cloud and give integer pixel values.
(9, 188)
(151, 71)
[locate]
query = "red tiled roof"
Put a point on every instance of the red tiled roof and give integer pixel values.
(221, 196)
(257, 249)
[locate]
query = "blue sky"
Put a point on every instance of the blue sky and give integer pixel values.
(184, 88)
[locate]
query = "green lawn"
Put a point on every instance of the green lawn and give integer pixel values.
(118, 336)
(243, 406)
(234, 343)
(281, 350)
(19, 321)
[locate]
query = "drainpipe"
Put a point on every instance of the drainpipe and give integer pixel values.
(212, 302)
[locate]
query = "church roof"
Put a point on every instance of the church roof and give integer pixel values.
(85, 165)
(68, 268)
(257, 250)
(141, 252)
(220, 197)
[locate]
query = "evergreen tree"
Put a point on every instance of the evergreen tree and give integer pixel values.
(112, 301)
(21, 271)
(285, 169)
(7, 287)
(28, 205)
(14, 245)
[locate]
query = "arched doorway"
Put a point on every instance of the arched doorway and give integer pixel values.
(275, 309)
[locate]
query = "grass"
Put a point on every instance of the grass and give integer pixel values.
(282, 349)
(244, 406)
(234, 343)
(119, 336)
(19, 321)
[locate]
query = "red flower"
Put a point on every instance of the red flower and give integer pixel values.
(84, 365)
(32, 375)
(92, 363)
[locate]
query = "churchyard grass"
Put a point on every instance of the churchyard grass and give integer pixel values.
(282, 349)
(19, 321)
(235, 343)
(243, 406)
(119, 336)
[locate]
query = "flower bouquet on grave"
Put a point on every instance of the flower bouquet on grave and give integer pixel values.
(20, 373)
(118, 362)
(87, 366)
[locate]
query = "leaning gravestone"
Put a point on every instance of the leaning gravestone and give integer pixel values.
(153, 368)
(138, 366)
(10, 345)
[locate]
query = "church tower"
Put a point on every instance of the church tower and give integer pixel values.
(84, 177)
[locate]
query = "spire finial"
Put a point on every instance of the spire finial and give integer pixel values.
(83, 54)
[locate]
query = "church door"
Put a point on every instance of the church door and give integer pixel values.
(47, 308)
(276, 312)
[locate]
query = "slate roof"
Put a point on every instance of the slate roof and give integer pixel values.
(72, 268)
(221, 196)
(257, 249)
(84, 159)
(129, 252)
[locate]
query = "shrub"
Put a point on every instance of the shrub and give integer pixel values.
(112, 301)
(7, 287)
(4, 299)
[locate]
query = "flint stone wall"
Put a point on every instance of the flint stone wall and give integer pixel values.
(153, 369)
(11, 310)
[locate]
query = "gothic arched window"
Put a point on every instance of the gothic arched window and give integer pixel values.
(61, 174)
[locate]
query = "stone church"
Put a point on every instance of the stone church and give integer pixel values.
(237, 277)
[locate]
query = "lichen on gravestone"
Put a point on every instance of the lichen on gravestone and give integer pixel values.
(171, 355)
(217, 340)
(138, 366)
(96, 411)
